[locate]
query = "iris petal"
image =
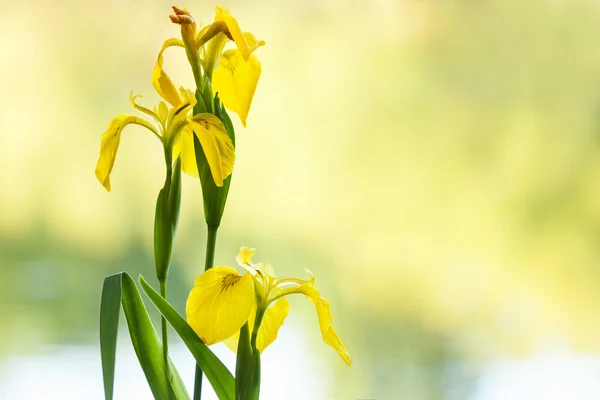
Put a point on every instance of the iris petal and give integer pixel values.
(235, 80)
(328, 332)
(216, 144)
(110, 144)
(161, 81)
(272, 321)
(269, 328)
(235, 33)
(219, 304)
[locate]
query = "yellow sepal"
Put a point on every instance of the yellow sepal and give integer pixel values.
(216, 144)
(188, 156)
(219, 304)
(161, 81)
(235, 80)
(267, 333)
(330, 336)
(110, 144)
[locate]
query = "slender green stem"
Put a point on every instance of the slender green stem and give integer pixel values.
(165, 338)
(211, 244)
(257, 321)
(169, 163)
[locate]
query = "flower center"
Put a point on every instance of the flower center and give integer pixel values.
(228, 281)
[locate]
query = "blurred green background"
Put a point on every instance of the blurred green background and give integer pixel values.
(435, 163)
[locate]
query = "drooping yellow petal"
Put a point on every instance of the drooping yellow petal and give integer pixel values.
(217, 145)
(235, 80)
(267, 333)
(327, 330)
(188, 155)
(272, 321)
(161, 81)
(110, 144)
(219, 304)
(289, 286)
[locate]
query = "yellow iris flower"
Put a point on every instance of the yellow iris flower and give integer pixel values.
(234, 73)
(169, 121)
(222, 301)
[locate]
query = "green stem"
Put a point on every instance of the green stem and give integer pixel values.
(169, 163)
(257, 322)
(211, 244)
(165, 339)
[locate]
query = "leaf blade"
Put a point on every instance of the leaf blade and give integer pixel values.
(120, 290)
(110, 305)
(217, 374)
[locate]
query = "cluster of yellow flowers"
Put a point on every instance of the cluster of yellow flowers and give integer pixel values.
(222, 300)
(234, 75)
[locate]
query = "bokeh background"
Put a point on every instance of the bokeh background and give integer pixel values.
(435, 163)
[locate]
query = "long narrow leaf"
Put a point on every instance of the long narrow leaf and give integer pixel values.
(109, 324)
(217, 374)
(120, 289)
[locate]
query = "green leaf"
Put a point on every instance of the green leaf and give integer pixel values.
(217, 374)
(119, 289)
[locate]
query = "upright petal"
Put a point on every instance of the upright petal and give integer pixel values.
(110, 144)
(245, 255)
(234, 31)
(142, 108)
(253, 44)
(216, 143)
(161, 81)
(219, 304)
(177, 119)
(235, 80)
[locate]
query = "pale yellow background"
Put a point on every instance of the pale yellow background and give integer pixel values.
(435, 163)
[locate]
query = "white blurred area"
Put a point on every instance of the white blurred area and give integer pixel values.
(73, 373)
(65, 373)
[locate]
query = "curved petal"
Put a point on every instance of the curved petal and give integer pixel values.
(235, 33)
(142, 108)
(253, 44)
(235, 80)
(272, 321)
(161, 81)
(267, 333)
(188, 155)
(288, 286)
(245, 255)
(216, 143)
(327, 330)
(177, 120)
(219, 304)
(110, 144)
